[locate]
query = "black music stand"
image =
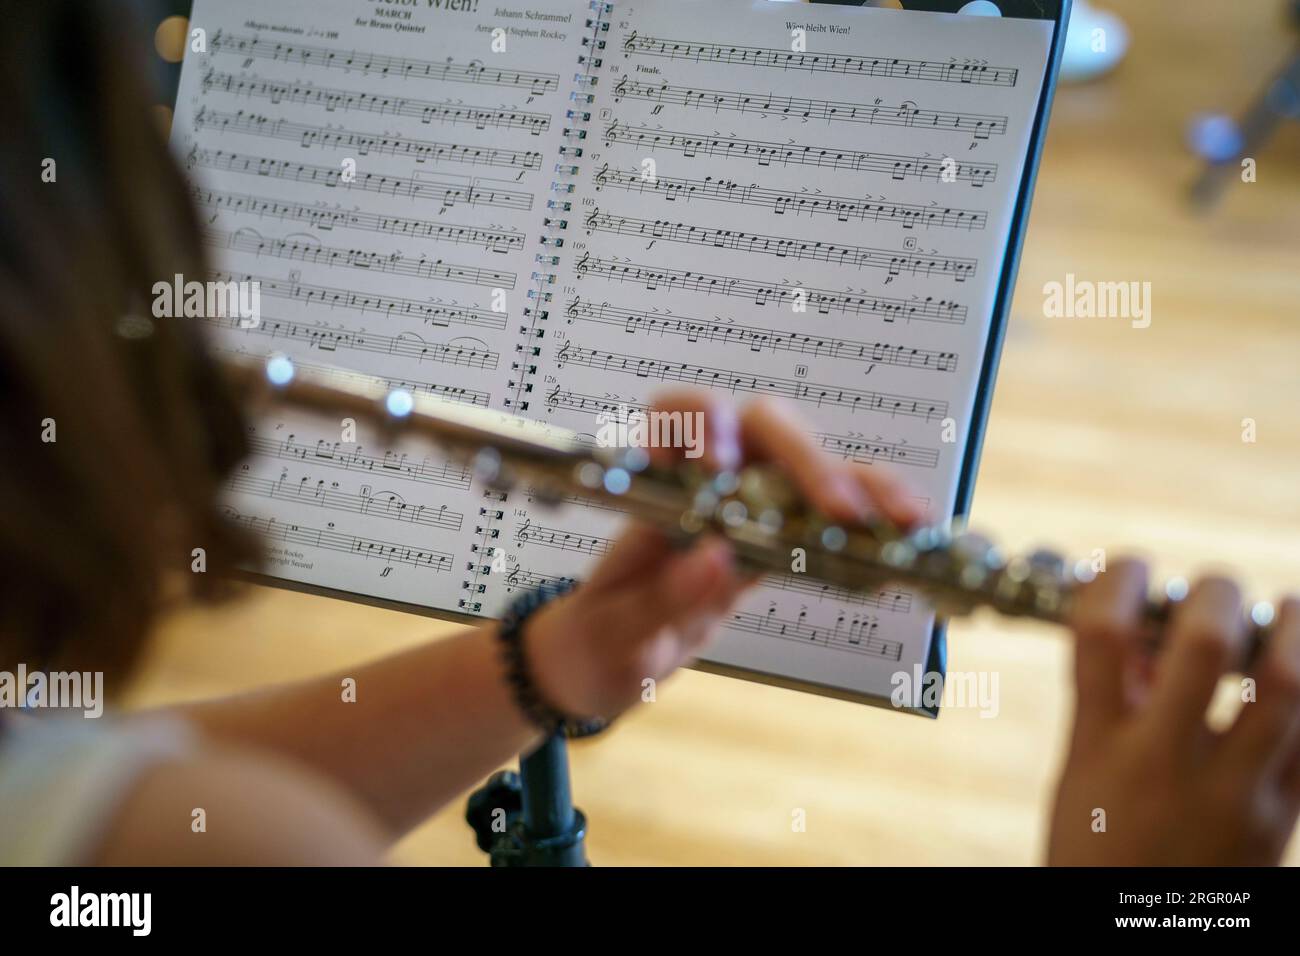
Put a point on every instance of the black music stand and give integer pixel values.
(528, 818)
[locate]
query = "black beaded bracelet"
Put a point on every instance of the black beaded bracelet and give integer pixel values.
(510, 632)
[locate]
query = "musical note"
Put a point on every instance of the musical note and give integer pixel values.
(246, 240)
(448, 70)
(337, 455)
(784, 201)
(384, 504)
(329, 218)
(335, 100)
(421, 151)
(957, 268)
(272, 529)
(820, 395)
(861, 639)
(767, 153)
(860, 449)
(438, 314)
(973, 72)
(851, 447)
(823, 301)
(885, 599)
(447, 192)
(531, 580)
(468, 396)
(906, 114)
(757, 339)
(560, 539)
(467, 352)
(580, 501)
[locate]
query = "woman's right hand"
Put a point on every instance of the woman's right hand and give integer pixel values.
(1147, 781)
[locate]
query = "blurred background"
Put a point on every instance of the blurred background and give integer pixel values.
(1101, 436)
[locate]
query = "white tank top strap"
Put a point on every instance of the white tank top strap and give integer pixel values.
(62, 779)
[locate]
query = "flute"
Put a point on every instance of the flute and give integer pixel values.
(755, 508)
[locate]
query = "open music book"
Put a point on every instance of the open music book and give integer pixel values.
(551, 208)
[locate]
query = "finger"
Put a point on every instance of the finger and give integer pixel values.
(891, 494)
(694, 425)
(1203, 638)
(694, 582)
(695, 634)
(639, 548)
(1264, 739)
(1106, 618)
(771, 432)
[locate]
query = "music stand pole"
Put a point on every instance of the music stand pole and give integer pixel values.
(528, 818)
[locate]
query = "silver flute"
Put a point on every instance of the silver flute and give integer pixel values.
(761, 514)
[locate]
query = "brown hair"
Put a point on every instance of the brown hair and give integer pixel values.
(92, 522)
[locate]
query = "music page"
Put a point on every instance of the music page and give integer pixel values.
(810, 203)
(379, 173)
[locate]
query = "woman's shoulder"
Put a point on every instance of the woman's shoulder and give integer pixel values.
(148, 790)
(61, 777)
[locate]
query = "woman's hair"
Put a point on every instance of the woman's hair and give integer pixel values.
(115, 428)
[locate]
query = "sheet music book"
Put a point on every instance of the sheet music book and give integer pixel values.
(551, 208)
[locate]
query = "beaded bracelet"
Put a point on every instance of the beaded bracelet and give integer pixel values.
(518, 674)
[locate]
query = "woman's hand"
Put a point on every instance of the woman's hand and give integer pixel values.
(648, 608)
(1147, 781)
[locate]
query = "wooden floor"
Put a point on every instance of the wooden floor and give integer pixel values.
(1102, 436)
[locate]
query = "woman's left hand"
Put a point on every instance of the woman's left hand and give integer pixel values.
(648, 608)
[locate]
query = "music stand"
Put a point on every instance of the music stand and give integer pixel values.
(528, 818)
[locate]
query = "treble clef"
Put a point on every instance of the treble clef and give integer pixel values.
(553, 399)
(593, 218)
(611, 133)
(602, 176)
(630, 43)
(620, 89)
(513, 578)
(581, 266)
(572, 309)
(521, 534)
(563, 354)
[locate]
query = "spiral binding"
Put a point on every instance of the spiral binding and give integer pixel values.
(536, 312)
